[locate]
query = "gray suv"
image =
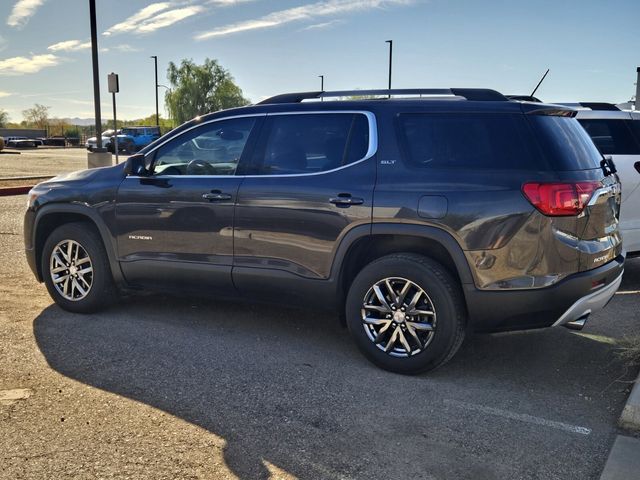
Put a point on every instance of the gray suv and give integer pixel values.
(415, 218)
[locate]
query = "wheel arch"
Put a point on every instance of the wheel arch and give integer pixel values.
(51, 217)
(362, 246)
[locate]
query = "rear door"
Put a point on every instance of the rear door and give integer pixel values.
(311, 181)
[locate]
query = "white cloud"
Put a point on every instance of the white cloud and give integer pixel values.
(22, 65)
(132, 22)
(4, 94)
(22, 11)
(303, 12)
(168, 18)
(323, 26)
(125, 47)
(69, 46)
(154, 17)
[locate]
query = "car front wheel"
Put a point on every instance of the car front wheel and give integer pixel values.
(406, 313)
(76, 269)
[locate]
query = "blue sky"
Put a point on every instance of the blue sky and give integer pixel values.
(591, 47)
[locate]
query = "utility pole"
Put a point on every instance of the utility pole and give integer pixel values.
(96, 73)
(321, 86)
(390, 42)
(155, 61)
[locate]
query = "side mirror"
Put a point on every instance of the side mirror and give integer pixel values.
(137, 165)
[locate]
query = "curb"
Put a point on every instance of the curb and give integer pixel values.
(630, 417)
(623, 462)
(7, 191)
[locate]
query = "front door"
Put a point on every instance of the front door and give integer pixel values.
(175, 226)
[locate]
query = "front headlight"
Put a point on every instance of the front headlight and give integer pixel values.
(31, 199)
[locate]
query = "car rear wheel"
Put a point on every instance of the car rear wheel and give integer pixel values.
(406, 313)
(76, 269)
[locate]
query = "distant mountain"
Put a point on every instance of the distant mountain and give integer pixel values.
(80, 121)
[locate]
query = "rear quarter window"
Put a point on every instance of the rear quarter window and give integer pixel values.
(565, 143)
(611, 136)
(468, 140)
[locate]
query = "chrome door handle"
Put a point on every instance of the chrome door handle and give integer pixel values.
(216, 196)
(346, 200)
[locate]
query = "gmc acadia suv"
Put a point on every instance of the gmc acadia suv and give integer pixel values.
(415, 218)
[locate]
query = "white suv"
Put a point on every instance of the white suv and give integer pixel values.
(616, 133)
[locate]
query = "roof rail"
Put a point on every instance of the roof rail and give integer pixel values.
(477, 94)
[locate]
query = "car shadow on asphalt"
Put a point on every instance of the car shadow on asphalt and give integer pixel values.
(288, 386)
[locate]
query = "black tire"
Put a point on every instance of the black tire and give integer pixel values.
(442, 291)
(101, 292)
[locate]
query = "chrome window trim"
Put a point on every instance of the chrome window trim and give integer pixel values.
(371, 150)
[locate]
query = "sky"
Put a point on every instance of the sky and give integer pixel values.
(278, 46)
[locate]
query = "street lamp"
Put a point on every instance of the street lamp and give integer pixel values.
(155, 61)
(390, 42)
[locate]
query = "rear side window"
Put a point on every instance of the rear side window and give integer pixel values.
(612, 137)
(472, 141)
(566, 143)
(310, 143)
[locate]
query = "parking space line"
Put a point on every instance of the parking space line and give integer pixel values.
(522, 417)
(628, 292)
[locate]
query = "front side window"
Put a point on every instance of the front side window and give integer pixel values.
(311, 143)
(212, 149)
(612, 137)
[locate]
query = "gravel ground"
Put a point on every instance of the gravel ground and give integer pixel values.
(42, 161)
(160, 387)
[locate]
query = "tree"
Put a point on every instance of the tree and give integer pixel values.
(37, 116)
(200, 89)
(4, 118)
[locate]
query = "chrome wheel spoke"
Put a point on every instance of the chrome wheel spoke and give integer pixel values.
(377, 308)
(414, 335)
(426, 327)
(403, 293)
(392, 341)
(403, 341)
(376, 321)
(381, 297)
(82, 261)
(61, 278)
(416, 312)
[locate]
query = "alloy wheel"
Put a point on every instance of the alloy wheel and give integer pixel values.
(398, 317)
(71, 270)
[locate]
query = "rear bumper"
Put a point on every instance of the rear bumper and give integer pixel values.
(590, 303)
(566, 301)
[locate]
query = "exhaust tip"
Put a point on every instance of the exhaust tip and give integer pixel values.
(577, 324)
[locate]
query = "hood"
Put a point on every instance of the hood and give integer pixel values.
(77, 179)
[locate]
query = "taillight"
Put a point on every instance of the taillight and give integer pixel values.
(560, 199)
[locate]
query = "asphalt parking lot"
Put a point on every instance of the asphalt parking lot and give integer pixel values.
(160, 387)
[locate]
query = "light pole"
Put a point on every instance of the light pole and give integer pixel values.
(96, 73)
(390, 42)
(321, 77)
(170, 92)
(155, 61)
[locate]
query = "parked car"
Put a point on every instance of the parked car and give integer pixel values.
(616, 133)
(132, 139)
(92, 142)
(1, 143)
(416, 219)
(21, 142)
